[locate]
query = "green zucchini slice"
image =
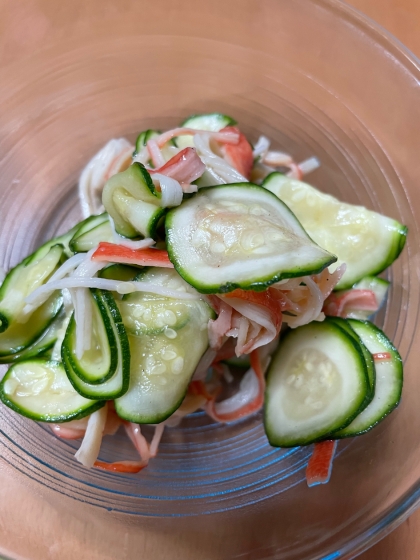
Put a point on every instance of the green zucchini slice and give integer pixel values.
(389, 379)
(213, 122)
(239, 236)
(40, 390)
(317, 383)
(365, 240)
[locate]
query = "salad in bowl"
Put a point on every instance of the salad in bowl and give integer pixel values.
(206, 274)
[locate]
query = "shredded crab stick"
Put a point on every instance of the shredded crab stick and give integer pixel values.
(299, 170)
(154, 444)
(261, 147)
(155, 154)
(115, 156)
(153, 148)
(265, 310)
(76, 429)
(339, 305)
(226, 136)
(248, 400)
(239, 155)
(256, 319)
(107, 423)
(218, 328)
(319, 467)
(38, 296)
(64, 432)
(89, 449)
(326, 280)
(269, 299)
(197, 387)
(138, 440)
(144, 449)
(277, 159)
(185, 167)
(308, 165)
(129, 467)
(110, 252)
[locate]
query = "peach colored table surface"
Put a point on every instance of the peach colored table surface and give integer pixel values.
(402, 18)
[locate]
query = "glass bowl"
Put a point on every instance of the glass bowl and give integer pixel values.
(318, 79)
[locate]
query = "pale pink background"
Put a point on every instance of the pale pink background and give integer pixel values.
(402, 18)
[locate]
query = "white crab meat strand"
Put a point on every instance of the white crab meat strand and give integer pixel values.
(224, 172)
(114, 157)
(89, 450)
(261, 147)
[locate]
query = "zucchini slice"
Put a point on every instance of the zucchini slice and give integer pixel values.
(100, 362)
(64, 240)
(143, 138)
(116, 385)
(365, 240)
(239, 236)
(167, 151)
(46, 341)
(67, 237)
(21, 336)
(213, 122)
(144, 217)
(91, 231)
(389, 380)
(23, 279)
(132, 201)
(145, 313)
(84, 242)
(39, 389)
(317, 383)
(370, 365)
(162, 365)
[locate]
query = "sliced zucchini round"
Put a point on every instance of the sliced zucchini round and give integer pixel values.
(317, 383)
(91, 233)
(239, 236)
(99, 363)
(365, 240)
(21, 336)
(116, 385)
(162, 365)
(144, 217)
(123, 196)
(64, 240)
(389, 380)
(39, 389)
(23, 279)
(370, 365)
(145, 313)
(42, 344)
(213, 122)
(143, 138)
